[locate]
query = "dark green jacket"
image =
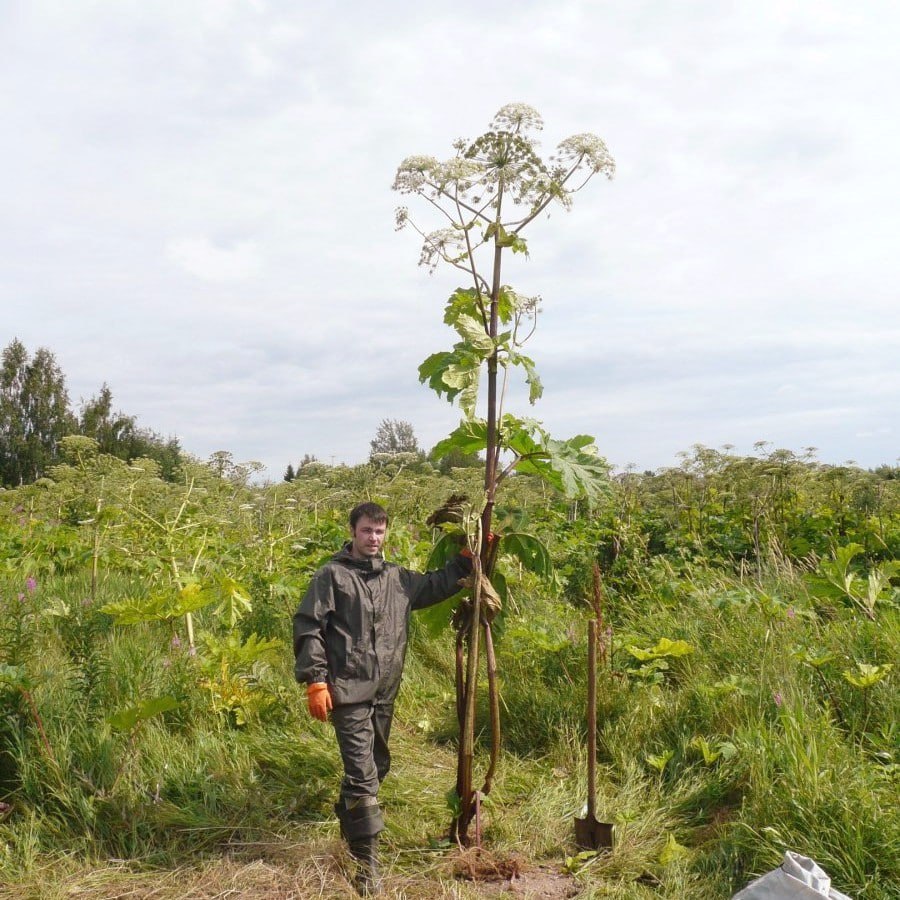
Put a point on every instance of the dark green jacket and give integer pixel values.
(351, 627)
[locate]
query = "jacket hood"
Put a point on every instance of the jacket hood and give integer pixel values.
(366, 564)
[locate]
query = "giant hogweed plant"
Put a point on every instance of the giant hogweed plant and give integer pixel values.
(484, 197)
(187, 571)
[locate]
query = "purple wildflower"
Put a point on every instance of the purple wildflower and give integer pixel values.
(30, 584)
(778, 698)
(791, 612)
(176, 642)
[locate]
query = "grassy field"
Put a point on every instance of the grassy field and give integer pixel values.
(747, 695)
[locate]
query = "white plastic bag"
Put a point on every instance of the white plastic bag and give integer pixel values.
(797, 878)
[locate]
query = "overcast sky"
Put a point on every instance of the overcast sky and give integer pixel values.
(196, 209)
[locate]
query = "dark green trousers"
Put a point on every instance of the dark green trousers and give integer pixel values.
(363, 730)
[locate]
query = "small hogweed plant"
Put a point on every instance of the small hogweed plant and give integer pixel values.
(484, 197)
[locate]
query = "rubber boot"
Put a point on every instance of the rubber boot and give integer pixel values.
(367, 880)
(361, 821)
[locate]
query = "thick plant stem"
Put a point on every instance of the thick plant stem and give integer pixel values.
(188, 618)
(493, 442)
(460, 827)
(494, 701)
(460, 685)
(482, 563)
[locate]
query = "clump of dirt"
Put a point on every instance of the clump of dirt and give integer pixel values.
(499, 875)
(478, 864)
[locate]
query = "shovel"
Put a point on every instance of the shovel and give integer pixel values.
(589, 833)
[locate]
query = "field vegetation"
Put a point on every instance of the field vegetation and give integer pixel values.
(153, 744)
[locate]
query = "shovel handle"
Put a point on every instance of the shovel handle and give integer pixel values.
(592, 719)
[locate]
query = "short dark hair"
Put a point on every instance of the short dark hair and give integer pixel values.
(372, 511)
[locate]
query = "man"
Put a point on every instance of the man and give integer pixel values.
(350, 636)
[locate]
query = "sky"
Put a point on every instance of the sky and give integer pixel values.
(197, 211)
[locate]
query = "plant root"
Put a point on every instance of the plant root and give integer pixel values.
(478, 864)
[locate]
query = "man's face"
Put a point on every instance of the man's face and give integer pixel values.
(367, 538)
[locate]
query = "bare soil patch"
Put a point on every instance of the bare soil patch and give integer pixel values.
(302, 871)
(508, 874)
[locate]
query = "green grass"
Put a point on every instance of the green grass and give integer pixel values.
(753, 743)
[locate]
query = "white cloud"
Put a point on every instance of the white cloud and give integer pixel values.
(738, 276)
(205, 260)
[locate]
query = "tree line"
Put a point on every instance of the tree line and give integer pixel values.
(395, 445)
(35, 414)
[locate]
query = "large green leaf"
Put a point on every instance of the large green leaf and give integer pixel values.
(238, 654)
(133, 611)
(529, 550)
(524, 437)
(463, 380)
(507, 304)
(432, 369)
(445, 548)
(663, 647)
(867, 675)
(234, 603)
(838, 571)
(470, 437)
(126, 719)
(14, 676)
(467, 302)
(160, 606)
(471, 330)
(498, 580)
(535, 388)
(436, 619)
(572, 466)
(673, 851)
(455, 374)
(464, 302)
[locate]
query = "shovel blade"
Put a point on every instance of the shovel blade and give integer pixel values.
(593, 835)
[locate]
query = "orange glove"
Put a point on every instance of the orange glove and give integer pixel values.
(318, 699)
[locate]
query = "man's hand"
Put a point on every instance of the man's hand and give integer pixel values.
(491, 537)
(318, 699)
(491, 604)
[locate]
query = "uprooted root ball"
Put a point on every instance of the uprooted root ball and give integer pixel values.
(478, 864)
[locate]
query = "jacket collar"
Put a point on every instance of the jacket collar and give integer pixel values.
(366, 564)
